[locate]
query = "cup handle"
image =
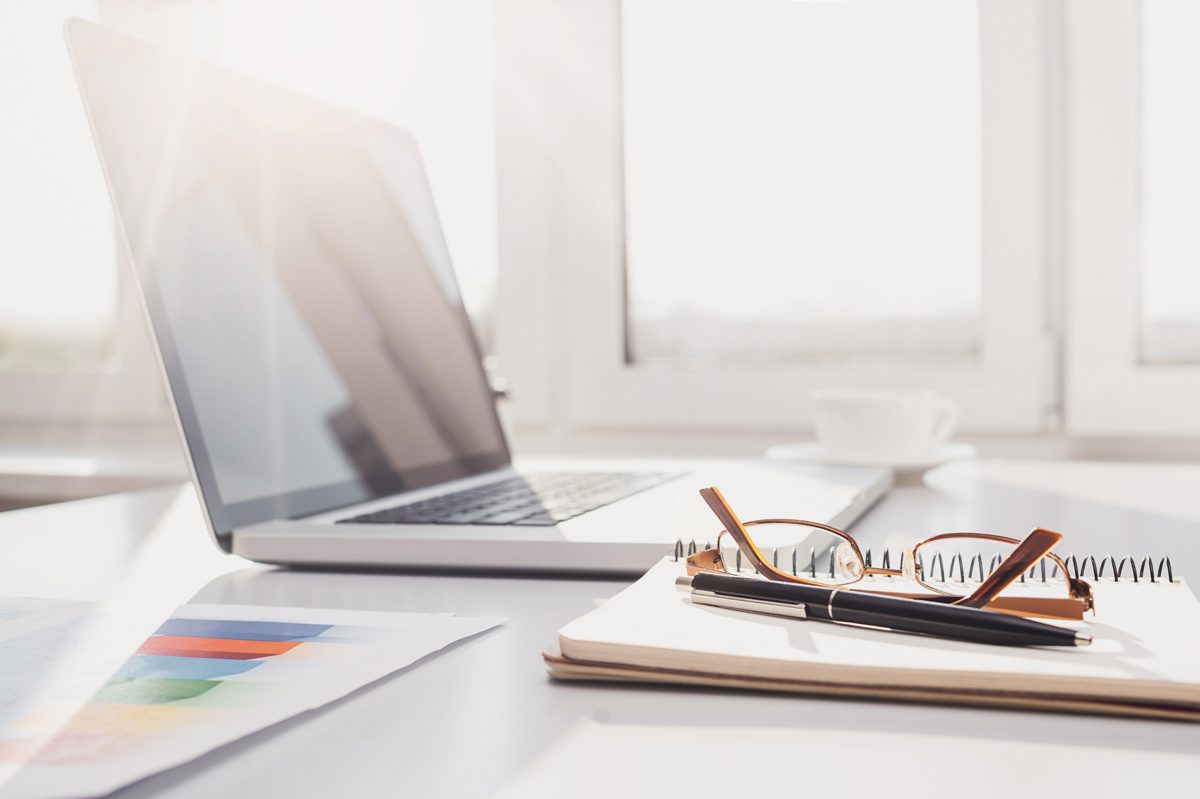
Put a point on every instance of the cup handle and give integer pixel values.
(946, 420)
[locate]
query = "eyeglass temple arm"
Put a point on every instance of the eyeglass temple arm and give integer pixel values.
(729, 520)
(1027, 553)
(720, 508)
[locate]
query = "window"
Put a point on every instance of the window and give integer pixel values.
(73, 344)
(59, 260)
(71, 341)
(802, 195)
(802, 182)
(1133, 349)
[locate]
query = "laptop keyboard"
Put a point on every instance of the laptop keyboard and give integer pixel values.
(532, 500)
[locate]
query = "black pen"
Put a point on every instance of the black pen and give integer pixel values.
(892, 613)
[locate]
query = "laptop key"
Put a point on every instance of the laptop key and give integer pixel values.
(533, 501)
(504, 517)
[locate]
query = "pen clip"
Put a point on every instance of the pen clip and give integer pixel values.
(790, 610)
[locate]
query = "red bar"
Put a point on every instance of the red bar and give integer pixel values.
(224, 648)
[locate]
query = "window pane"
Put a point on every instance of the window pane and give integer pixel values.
(803, 180)
(57, 240)
(1171, 183)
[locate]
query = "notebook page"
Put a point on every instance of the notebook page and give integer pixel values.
(1146, 636)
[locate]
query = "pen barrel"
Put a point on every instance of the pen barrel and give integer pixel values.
(895, 613)
(946, 621)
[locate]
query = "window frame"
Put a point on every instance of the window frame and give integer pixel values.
(565, 180)
(1108, 391)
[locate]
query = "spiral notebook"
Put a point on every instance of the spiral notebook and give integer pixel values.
(1143, 661)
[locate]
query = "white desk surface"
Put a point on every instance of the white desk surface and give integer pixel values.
(483, 719)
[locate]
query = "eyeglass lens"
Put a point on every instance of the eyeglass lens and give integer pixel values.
(800, 549)
(949, 563)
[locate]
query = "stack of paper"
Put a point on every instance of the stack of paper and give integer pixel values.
(1143, 661)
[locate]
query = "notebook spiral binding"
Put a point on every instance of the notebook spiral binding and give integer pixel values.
(1107, 567)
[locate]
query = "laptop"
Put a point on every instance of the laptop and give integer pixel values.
(325, 377)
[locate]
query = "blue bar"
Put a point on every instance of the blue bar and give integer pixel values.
(242, 630)
(164, 667)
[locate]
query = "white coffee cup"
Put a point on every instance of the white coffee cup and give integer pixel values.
(882, 426)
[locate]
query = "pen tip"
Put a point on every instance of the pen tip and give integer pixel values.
(683, 582)
(1082, 639)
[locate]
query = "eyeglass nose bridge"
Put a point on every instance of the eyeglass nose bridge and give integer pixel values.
(849, 562)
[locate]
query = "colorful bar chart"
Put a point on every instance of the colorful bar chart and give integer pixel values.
(187, 668)
(208, 675)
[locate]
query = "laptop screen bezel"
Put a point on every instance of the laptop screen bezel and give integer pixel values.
(226, 517)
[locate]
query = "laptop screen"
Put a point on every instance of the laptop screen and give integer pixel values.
(297, 283)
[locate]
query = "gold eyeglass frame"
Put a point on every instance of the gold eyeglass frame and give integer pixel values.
(1026, 553)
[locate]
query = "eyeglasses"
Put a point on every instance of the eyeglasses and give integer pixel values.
(817, 554)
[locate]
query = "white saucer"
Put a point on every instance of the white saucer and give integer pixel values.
(812, 452)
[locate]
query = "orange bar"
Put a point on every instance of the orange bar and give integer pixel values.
(230, 648)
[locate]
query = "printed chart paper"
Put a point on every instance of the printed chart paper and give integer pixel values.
(208, 675)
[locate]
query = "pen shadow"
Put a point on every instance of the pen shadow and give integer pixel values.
(797, 636)
(800, 636)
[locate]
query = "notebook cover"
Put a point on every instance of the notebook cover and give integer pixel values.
(568, 670)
